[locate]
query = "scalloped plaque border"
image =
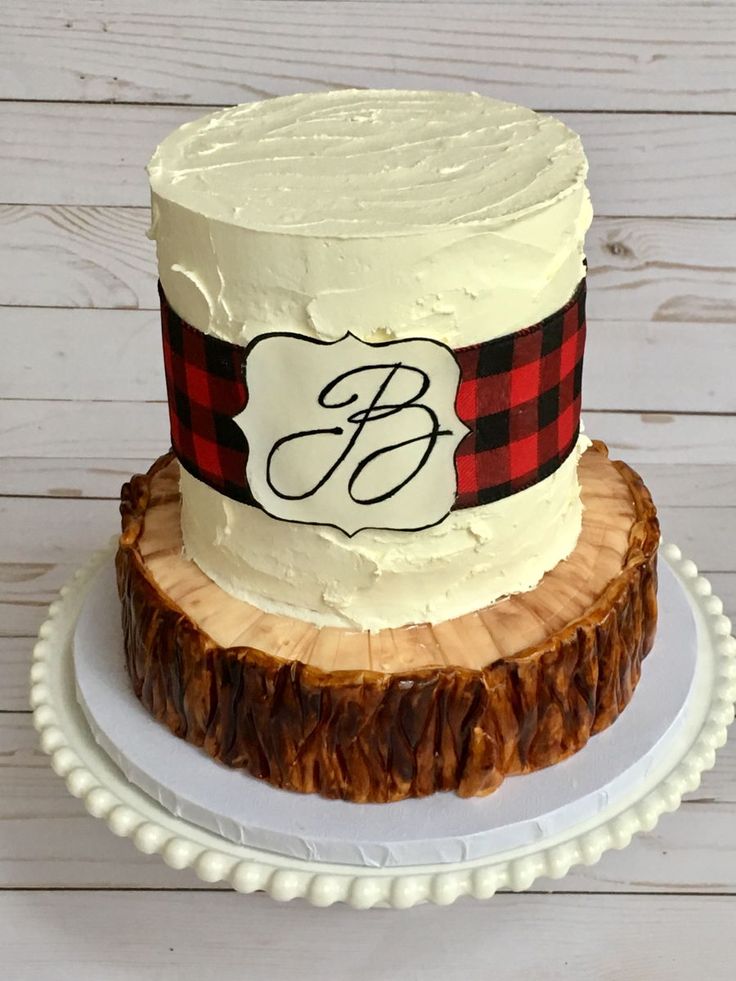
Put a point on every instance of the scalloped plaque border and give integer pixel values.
(128, 812)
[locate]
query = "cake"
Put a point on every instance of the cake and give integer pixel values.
(381, 559)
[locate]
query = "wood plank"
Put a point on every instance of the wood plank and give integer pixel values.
(706, 535)
(643, 165)
(135, 430)
(15, 664)
(639, 269)
(46, 539)
(627, 56)
(15, 652)
(27, 588)
(41, 533)
(681, 484)
(43, 827)
(23, 619)
(23, 610)
(24, 607)
(82, 354)
(678, 485)
(49, 840)
(160, 937)
(664, 270)
(659, 366)
(42, 536)
(89, 257)
(651, 437)
(59, 477)
(116, 355)
(140, 431)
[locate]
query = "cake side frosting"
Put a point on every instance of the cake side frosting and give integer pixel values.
(383, 579)
(390, 215)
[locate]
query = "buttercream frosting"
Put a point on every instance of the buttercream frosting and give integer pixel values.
(383, 579)
(391, 215)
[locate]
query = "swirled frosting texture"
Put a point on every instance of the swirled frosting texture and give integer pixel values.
(392, 215)
(357, 164)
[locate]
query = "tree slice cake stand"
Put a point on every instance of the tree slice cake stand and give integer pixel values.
(405, 712)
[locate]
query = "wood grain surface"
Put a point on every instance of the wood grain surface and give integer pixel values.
(93, 933)
(646, 55)
(115, 355)
(40, 165)
(99, 257)
(87, 89)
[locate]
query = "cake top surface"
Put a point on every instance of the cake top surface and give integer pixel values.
(368, 163)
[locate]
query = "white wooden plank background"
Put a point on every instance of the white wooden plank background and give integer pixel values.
(162, 937)
(41, 165)
(86, 90)
(549, 55)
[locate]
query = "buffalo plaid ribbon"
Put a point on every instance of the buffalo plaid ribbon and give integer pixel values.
(519, 395)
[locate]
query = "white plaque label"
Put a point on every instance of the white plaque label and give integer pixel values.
(352, 434)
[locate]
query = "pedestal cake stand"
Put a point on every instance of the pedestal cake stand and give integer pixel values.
(173, 800)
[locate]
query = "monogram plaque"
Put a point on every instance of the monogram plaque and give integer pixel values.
(352, 434)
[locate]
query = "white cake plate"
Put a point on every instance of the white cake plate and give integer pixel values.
(437, 830)
(436, 849)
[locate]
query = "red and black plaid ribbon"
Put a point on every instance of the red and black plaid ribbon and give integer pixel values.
(518, 394)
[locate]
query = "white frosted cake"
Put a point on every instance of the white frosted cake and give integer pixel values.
(380, 505)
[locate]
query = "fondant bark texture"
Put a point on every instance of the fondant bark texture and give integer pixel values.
(366, 736)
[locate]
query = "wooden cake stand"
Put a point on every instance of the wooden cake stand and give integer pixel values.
(404, 712)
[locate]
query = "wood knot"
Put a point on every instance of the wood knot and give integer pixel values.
(619, 249)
